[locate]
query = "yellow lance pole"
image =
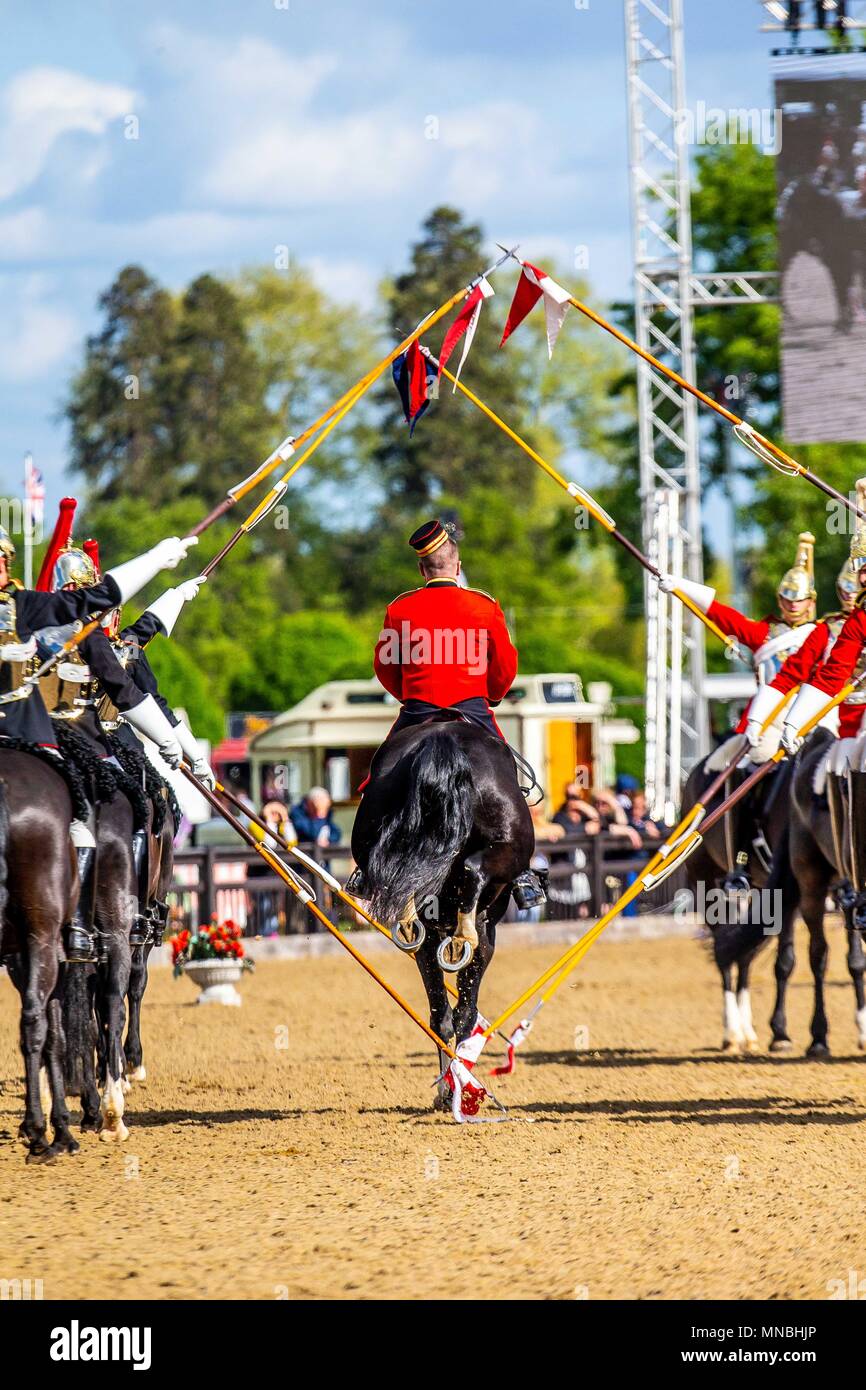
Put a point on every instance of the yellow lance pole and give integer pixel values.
(302, 892)
(571, 958)
(340, 408)
(762, 447)
(594, 508)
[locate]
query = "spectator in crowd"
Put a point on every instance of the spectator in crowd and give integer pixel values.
(614, 818)
(577, 815)
(640, 817)
(313, 819)
(275, 814)
(545, 831)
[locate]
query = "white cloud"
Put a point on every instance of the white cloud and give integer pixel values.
(36, 334)
(39, 106)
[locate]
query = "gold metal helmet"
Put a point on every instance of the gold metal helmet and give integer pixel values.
(73, 568)
(798, 583)
(7, 547)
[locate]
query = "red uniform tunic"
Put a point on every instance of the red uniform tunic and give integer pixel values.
(444, 644)
(838, 668)
(751, 633)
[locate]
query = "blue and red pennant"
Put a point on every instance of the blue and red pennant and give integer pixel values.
(416, 380)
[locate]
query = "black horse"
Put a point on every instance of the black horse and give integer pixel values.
(38, 894)
(740, 927)
(817, 871)
(160, 866)
(440, 835)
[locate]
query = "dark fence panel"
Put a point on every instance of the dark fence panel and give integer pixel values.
(587, 875)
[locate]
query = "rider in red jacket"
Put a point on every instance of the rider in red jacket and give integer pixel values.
(445, 646)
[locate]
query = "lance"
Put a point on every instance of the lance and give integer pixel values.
(79, 633)
(594, 508)
(332, 416)
(762, 447)
(307, 899)
(651, 876)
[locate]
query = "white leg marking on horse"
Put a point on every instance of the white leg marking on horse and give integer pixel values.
(733, 1036)
(44, 1091)
(466, 930)
(138, 1073)
(744, 1004)
(410, 913)
(860, 1016)
(113, 1130)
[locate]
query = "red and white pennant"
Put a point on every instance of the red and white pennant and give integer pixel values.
(532, 286)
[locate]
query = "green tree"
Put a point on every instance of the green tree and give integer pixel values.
(299, 652)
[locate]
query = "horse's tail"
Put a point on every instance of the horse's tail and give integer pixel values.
(418, 842)
(77, 1025)
(732, 939)
(4, 854)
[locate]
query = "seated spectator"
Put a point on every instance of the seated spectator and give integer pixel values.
(640, 817)
(275, 814)
(577, 815)
(313, 818)
(614, 818)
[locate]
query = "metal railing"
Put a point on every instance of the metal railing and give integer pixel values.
(586, 874)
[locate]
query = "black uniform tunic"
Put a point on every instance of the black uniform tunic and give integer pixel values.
(28, 719)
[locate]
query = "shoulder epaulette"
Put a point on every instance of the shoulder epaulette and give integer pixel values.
(406, 593)
(828, 617)
(482, 592)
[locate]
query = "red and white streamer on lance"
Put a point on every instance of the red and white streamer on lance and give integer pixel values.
(532, 285)
(467, 1094)
(520, 1034)
(464, 326)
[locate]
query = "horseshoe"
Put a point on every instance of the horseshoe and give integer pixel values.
(417, 939)
(451, 967)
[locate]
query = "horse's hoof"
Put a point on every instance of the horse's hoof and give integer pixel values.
(732, 1046)
(818, 1050)
(781, 1045)
(115, 1133)
(46, 1154)
(753, 1045)
(442, 1101)
(66, 1145)
(138, 1073)
(91, 1124)
(448, 960)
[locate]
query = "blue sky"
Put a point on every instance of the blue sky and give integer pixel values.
(303, 123)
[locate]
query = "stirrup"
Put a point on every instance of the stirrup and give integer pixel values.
(356, 884)
(763, 853)
(141, 930)
(735, 883)
(528, 890)
(80, 946)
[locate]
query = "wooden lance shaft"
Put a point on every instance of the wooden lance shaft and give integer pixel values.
(300, 890)
(594, 508)
(340, 408)
(750, 437)
(314, 867)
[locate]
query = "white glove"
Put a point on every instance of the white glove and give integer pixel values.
(204, 772)
(167, 607)
(193, 754)
(765, 702)
(701, 595)
(18, 651)
(135, 573)
(808, 703)
(148, 719)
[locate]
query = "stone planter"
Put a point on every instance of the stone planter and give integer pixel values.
(216, 979)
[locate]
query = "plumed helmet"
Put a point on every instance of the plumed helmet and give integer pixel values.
(7, 546)
(798, 583)
(73, 568)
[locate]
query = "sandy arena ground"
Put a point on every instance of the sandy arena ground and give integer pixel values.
(648, 1166)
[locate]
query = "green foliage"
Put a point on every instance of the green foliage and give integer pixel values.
(185, 687)
(299, 652)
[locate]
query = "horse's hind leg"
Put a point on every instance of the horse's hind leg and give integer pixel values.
(63, 1141)
(137, 985)
(113, 985)
(783, 970)
(35, 977)
(441, 1020)
(856, 967)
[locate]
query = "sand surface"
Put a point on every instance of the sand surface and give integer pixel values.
(287, 1148)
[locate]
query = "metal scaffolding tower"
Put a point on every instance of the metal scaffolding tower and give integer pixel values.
(676, 720)
(667, 291)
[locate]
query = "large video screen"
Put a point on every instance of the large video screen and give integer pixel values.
(821, 165)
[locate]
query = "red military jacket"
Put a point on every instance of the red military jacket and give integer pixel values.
(840, 664)
(749, 632)
(443, 644)
(800, 665)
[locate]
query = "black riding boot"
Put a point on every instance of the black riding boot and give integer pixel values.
(141, 926)
(158, 921)
(529, 889)
(80, 934)
(836, 807)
